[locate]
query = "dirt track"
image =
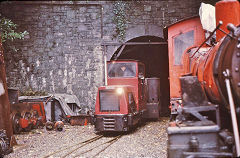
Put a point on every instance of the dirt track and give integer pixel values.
(149, 140)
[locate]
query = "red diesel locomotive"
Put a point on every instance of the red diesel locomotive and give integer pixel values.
(122, 103)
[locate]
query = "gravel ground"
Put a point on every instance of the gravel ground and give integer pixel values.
(149, 140)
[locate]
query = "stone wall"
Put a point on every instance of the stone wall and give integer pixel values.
(63, 51)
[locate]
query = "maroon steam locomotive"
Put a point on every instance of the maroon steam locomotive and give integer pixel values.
(205, 85)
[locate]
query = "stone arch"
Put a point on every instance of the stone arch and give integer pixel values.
(144, 30)
(155, 58)
(135, 32)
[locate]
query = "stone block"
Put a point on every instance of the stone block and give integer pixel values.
(70, 14)
(146, 17)
(147, 8)
(56, 18)
(50, 54)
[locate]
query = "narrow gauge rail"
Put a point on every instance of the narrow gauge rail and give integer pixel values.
(84, 143)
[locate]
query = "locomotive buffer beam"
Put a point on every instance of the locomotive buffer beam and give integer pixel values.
(207, 154)
(195, 111)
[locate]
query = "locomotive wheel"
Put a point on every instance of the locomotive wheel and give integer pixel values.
(28, 128)
(49, 126)
(15, 122)
(27, 115)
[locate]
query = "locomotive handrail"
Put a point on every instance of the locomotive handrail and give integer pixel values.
(211, 34)
(233, 112)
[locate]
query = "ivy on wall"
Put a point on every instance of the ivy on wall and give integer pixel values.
(120, 9)
(8, 32)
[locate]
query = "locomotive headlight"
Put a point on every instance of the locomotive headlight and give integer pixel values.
(119, 91)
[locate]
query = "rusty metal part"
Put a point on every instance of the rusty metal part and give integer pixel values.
(15, 122)
(81, 120)
(26, 117)
(5, 121)
(49, 125)
(74, 122)
(67, 104)
(59, 125)
(13, 95)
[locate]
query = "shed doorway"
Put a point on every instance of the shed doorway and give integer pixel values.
(155, 58)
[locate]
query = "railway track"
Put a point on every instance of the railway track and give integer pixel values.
(69, 150)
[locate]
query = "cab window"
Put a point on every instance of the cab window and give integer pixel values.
(181, 43)
(122, 70)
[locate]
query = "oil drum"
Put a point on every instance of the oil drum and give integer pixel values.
(153, 90)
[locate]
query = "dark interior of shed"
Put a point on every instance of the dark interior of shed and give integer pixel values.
(155, 58)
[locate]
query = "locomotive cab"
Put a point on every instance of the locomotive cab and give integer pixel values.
(116, 109)
(121, 104)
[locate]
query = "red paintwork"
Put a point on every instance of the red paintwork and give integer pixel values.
(202, 67)
(176, 71)
(124, 109)
(132, 81)
(131, 84)
(228, 12)
(23, 123)
(39, 107)
(210, 85)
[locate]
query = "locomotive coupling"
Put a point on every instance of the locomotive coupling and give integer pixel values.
(194, 143)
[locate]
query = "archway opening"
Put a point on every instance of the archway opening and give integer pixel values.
(155, 58)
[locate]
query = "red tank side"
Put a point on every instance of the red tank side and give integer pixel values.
(227, 11)
(208, 76)
(177, 70)
(202, 67)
